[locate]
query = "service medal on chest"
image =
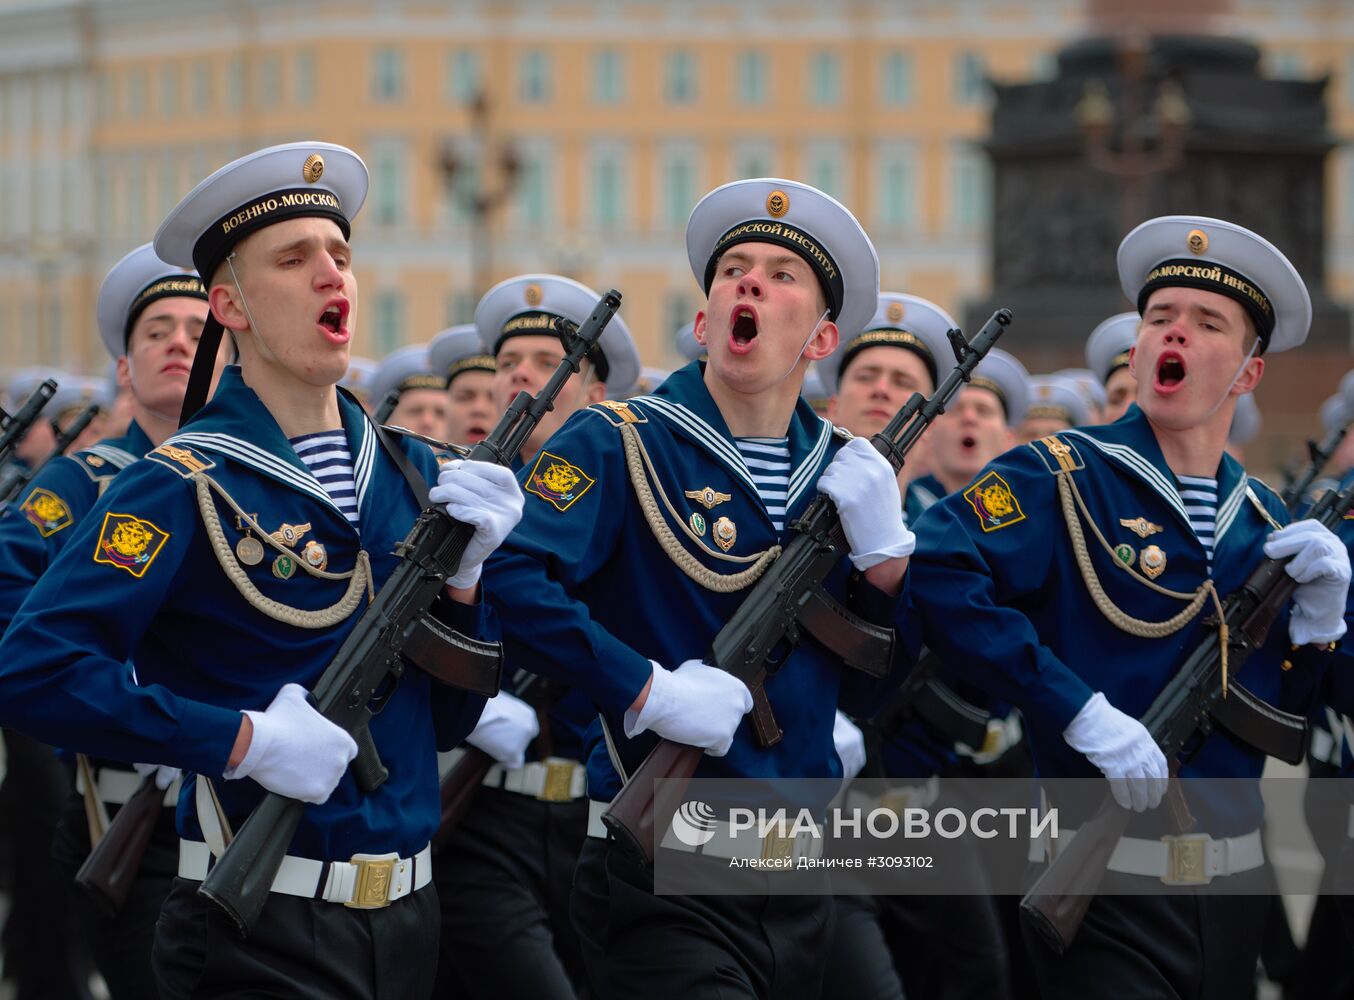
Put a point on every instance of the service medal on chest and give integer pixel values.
(249, 550)
(315, 555)
(726, 533)
(1152, 562)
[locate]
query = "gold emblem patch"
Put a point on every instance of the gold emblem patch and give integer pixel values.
(129, 543)
(1197, 241)
(532, 295)
(895, 312)
(47, 512)
(708, 497)
(186, 459)
(558, 481)
(994, 503)
(726, 533)
(1140, 526)
(313, 169)
(777, 203)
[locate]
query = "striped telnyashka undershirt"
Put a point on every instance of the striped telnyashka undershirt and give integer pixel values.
(768, 459)
(1201, 506)
(327, 456)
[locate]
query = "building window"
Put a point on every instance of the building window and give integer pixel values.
(463, 76)
(608, 194)
(460, 307)
(535, 76)
(753, 159)
(135, 187)
(680, 85)
(970, 87)
(270, 80)
(389, 321)
(169, 91)
(168, 183)
(825, 83)
(896, 80)
(970, 188)
(136, 94)
(678, 311)
(895, 186)
(825, 169)
(461, 186)
(387, 76)
(202, 88)
(390, 183)
(235, 84)
(751, 77)
(606, 76)
(304, 81)
(678, 185)
(532, 195)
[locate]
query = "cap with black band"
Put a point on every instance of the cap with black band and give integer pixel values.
(457, 350)
(909, 322)
(290, 181)
(131, 286)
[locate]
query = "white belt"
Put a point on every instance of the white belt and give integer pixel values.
(1002, 734)
(114, 787)
(367, 882)
(555, 779)
(1183, 859)
(897, 798)
(745, 845)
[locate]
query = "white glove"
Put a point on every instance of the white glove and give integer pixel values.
(164, 774)
(863, 485)
(1124, 751)
(506, 726)
(696, 704)
(486, 495)
(1320, 564)
(850, 744)
(295, 751)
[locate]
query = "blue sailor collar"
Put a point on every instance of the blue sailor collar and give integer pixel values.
(119, 452)
(686, 405)
(235, 424)
(927, 490)
(1131, 443)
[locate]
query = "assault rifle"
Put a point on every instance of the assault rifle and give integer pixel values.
(397, 628)
(1193, 703)
(15, 478)
(107, 874)
(387, 406)
(1318, 455)
(13, 426)
(788, 600)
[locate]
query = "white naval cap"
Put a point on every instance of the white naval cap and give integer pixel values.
(1006, 378)
(21, 384)
(907, 321)
(81, 391)
(1108, 346)
(456, 350)
(649, 380)
(131, 285)
(801, 218)
(1245, 421)
(1218, 256)
(1334, 413)
(531, 304)
(1059, 397)
(686, 343)
(403, 369)
(1087, 384)
(357, 380)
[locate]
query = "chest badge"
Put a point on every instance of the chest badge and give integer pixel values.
(708, 497)
(315, 555)
(1152, 562)
(726, 533)
(1124, 553)
(284, 567)
(698, 523)
(1140, 526)
(249, 550)
(290, 535)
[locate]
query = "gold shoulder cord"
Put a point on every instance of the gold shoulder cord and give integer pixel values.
(359, 578)
(637, 462)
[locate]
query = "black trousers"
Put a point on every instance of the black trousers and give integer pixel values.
(504, 878)
(300, 948)
(120, 945)
(1158, 947)
(640, 945)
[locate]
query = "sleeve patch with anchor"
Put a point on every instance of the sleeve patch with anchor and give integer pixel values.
(994, 503)
(129, 543)
(558, 481)
(47, 512)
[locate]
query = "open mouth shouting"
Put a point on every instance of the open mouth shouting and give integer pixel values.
(1170, 373)
(743, 325)
(333, 321)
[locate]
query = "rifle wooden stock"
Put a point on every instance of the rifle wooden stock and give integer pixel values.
(770, 614)
(107, 874)
(458, 789)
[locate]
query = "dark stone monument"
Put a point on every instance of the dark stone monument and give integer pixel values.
(1134, 127)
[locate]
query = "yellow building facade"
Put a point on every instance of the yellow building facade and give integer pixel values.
(617, 114)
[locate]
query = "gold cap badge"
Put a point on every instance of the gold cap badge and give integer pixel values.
(532, 294)
(1197, 241)
(313, 169)
(895, 312)
(777, 203)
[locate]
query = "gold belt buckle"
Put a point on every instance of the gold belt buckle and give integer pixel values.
(899, 800)
(1186, 859)
(559, 781)
(375, 879)
(777, 848)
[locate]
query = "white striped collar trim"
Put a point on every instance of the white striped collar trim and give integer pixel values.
(1132, 460)
(1229, 508)
(925, 497)
(716, 443)
(258, 459)
(806, 475)
(364, 465)
(116, 456)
